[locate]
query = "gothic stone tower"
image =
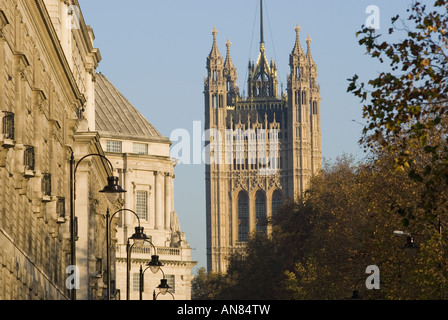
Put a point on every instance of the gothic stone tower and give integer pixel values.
(262, 148)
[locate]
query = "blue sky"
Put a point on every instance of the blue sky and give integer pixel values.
(155, 54)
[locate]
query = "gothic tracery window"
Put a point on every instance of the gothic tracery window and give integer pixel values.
(277, 201)
(243, 217)
(260, 212)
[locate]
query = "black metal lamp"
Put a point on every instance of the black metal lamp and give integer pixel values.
(154, 264)
(411, 247)
(113, 189)
(355, 295)
(163, 286)
(139, 237)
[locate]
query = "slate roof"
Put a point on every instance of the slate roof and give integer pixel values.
(116, 116)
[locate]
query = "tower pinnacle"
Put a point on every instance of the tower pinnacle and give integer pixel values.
(215, 52)
(297, 47)
(308, 41)
(228, 63)
(298, 32)
(228, 44)
(308, 53)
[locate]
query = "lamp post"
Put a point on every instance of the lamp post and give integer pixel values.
(139, 239)
(139, 234)
(112, 188)
(163, 287)
(154, 265)
(355, 293)
(411, 247)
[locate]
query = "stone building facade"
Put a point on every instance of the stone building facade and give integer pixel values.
(47, 65)
(142, 157)
(48, 102)
(264, 146)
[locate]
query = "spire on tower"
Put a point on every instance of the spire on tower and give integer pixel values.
(215, 52)
(298, 32)
(228, 64)
(308, 53)
(261, 24)
(308, 42)
(214, 33)
(297, 47)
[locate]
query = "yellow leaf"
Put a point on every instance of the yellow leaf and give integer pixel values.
(425, 62)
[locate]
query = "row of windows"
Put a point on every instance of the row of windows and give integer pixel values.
(136, 283)
(117, 147)
(302, 100)
(260, 212)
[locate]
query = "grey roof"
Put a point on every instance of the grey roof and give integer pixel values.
(116, 116)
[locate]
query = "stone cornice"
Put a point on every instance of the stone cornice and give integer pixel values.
(124, 137)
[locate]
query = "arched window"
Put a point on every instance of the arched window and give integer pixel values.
(243, 217)
(215, 101)
(277, 201)
(297, 96)
(260, 212)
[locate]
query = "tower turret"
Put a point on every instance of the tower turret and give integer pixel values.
(304, 115)
(230, 76)
(215, 86)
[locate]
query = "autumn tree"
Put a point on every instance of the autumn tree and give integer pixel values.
(406, 108)
(322, 243)
(406, 113)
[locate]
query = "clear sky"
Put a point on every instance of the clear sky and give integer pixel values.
(155, 54)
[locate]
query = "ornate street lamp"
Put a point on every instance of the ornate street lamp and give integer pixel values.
(112, 191)
(154, 265)
(163, 288)
(410, 246)
(137, 237)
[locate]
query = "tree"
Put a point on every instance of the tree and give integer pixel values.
(322, 243)
(406, 112)
(207, 286)
(406, 108)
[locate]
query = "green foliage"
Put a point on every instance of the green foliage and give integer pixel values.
(207, 286)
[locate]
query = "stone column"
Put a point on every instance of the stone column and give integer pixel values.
(158, 195)
(168, 195)
(129, 199)
(82, 213)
